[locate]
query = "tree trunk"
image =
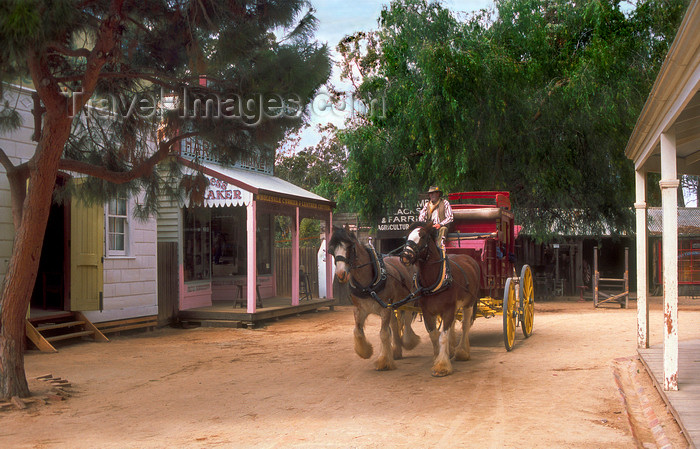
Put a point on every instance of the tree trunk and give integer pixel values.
(26, 251)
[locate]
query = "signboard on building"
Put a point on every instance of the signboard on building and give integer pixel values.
(293, 202)
(220, 193)
(396, 224)
(194, 148)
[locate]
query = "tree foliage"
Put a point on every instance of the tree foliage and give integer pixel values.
(537, 97)
(115, 63)
(121, 83)
(320, 169)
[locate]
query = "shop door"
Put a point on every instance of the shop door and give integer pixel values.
(51, 283)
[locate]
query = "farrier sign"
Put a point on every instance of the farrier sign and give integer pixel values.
(397, 223)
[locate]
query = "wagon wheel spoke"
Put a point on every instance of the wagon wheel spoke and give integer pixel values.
(527, 300)
(509, 315)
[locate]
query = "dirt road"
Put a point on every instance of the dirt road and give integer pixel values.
(297, 383)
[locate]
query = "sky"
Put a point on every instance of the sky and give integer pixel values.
(338, 18)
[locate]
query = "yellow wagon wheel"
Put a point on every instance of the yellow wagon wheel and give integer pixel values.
(509, 315)
(527, 300)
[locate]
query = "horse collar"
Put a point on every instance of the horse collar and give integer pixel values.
(379, 280)
(444, 279)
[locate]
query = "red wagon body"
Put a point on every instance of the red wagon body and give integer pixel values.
(484, 228)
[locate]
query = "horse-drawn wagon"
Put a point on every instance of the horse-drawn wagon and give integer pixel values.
(484, 229)
(465, 279)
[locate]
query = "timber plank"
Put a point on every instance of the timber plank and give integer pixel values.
(69, 336)
(129, 327)
(59, 325)
(128, 324)
(276, 308)
(38, 339)
(96, 334)
(684, 404)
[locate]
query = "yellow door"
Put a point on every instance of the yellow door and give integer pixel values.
(86, 256)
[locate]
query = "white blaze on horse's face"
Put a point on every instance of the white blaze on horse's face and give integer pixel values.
(414, 236)
(342, 270)
(408, 255)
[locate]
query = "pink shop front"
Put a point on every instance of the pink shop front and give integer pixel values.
(227, 243)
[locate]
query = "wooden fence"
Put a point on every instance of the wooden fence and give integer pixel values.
(283, 268)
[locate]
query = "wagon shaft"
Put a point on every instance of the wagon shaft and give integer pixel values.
(489, 307)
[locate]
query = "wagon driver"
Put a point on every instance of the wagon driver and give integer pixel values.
(439, 211)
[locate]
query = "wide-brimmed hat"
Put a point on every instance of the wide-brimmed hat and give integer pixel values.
(434, 189)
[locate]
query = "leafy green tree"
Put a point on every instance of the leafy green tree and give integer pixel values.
(102, 68)
(319, 169)
(309, 232)
(537, 97)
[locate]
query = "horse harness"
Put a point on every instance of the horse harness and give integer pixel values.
(378, 268)
(443, 282)
(444, 279)
(380, 274)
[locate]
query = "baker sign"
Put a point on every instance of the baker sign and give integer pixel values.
(218, 190)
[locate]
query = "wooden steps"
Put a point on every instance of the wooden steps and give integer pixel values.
(144, 322)
(69, 336)
(65, 326)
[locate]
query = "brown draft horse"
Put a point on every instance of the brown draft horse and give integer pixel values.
(446, 284)
(358, 264)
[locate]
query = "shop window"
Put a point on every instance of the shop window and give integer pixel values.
(688, 261)
(117, 237)
(228, 227)
(197, 243)
(215, 243)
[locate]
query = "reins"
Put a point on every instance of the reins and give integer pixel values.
(379, 280)
(444, 281)
(378, 283)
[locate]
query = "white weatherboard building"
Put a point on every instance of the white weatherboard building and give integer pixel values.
(224, 247)
(97, 260)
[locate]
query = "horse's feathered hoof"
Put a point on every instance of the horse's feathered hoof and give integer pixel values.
(462, 355)
(384, 364)
(441, 373)
(363, 349)
(441, 370)
(410, 342)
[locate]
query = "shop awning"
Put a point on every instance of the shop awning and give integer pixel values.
(231, 186)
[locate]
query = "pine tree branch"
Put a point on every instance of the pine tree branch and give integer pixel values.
(119, 177)
(11, 169)
(157, 79)
(104, 46)
(6, 162)
(77, 53)
(138, 25)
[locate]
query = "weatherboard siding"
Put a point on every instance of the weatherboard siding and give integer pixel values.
(130, 283)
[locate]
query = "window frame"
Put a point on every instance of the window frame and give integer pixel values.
(118, 253)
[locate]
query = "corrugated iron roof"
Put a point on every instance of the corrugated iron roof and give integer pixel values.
(688, 221)
(260, 182)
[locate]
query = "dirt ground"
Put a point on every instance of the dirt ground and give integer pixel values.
(297, 383)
